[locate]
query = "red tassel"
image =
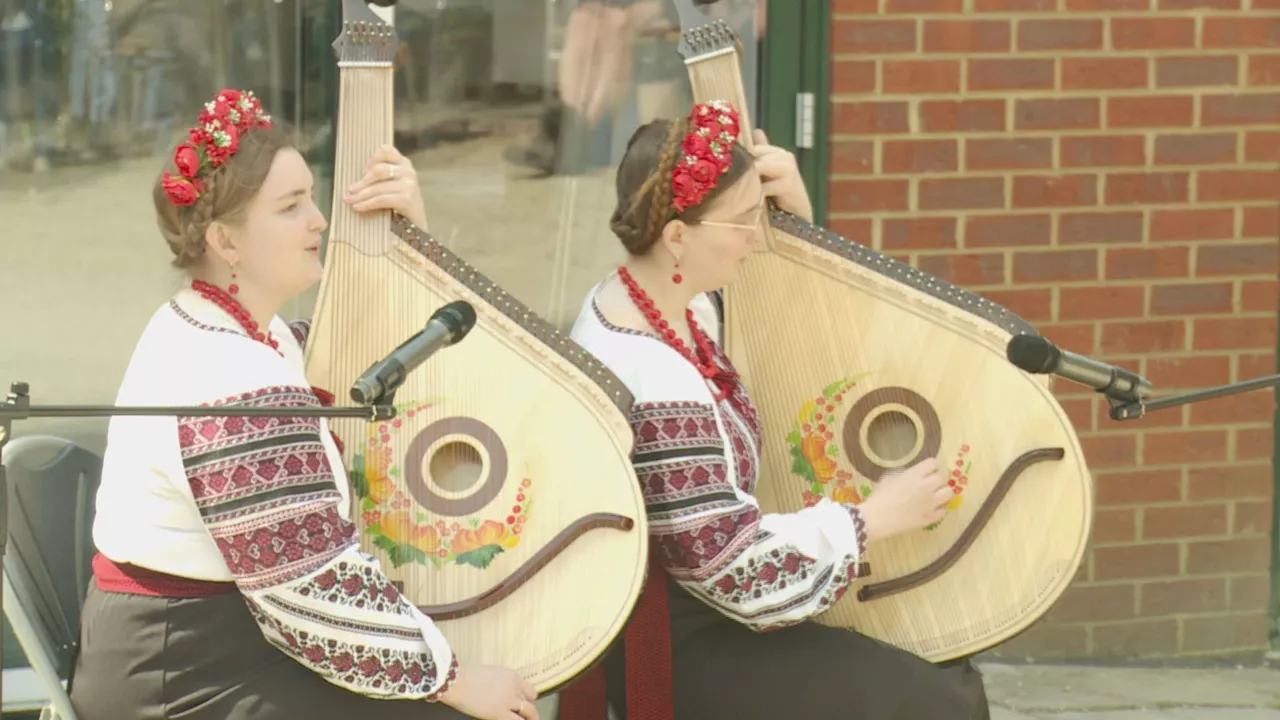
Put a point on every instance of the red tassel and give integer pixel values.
(647, 647)
(586, 698)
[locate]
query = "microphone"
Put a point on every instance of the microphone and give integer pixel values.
(1037, 355)
(447, 326)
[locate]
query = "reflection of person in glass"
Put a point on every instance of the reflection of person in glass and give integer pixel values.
(92, 82)
(690, 201)
(229, 582)
(613, 49)
(28, 98)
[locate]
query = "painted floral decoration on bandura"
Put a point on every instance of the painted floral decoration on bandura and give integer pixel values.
(212, 142)
(395, 523)
(957, 480)
(815, 453)
(706, 153)
(814, 448)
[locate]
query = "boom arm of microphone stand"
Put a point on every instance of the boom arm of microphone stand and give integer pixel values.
(1131, 410)
(17, 406)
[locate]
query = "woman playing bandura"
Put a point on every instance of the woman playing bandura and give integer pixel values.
(690, 200)
(229, 583)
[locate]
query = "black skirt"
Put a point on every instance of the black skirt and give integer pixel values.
(153, 658)
(725, 671)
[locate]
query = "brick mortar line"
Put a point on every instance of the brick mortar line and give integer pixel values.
(1170, 430)
(1226, 534)
(1211, 614)
(1097, 53)
(1058, 249)
(1207, 206)
(1121, 429)
(1174, 355)
(1026, 210)
(1056, 12)
(1072, 170)
(1056, 16)
(1039, 133)
(1120, 582)
(1062, 93)
(1073, 133)
(1186, 504)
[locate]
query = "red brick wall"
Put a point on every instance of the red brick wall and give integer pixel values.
(1107, 169)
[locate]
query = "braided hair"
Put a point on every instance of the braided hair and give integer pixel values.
(644, 184)
(228, 191)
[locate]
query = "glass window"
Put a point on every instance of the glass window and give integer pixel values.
(515, 113)
(94, 94)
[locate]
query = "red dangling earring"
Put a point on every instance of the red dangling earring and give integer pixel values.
(677, 278)
(233, 288)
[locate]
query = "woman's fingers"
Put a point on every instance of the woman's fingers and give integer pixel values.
(389, 154)
(387, 165)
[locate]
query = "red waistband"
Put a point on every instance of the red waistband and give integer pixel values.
(117, 577)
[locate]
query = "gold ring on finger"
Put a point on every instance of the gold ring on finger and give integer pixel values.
(391, 171)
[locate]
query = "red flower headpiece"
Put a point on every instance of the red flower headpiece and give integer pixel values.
(213, 141)
(707, 153)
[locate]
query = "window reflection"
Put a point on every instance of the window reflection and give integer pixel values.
(94, 94)
(516, 113)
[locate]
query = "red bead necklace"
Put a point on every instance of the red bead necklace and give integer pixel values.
(227, 302)
(703, 359)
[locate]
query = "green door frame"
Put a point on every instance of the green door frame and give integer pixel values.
(796, 63)
(1274, 609)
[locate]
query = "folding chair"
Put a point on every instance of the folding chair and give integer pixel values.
(53, 484)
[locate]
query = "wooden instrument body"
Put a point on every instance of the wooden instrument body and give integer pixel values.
(501, 498)
(860, 365)
(884, 356)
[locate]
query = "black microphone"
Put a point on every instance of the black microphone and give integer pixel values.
(447, 326)
(1037, 355)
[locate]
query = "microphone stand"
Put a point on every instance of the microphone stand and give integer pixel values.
(17, 406)
(1129, 407)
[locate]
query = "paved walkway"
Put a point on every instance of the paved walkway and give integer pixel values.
(1072, 692)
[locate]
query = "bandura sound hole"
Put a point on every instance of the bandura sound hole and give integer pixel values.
(455, 466)
(892, 438)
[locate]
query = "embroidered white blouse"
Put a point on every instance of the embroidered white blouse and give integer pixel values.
(261, 502)
(697, 460)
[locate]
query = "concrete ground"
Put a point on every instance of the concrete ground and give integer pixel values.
(1092, 692)
(1057, 692)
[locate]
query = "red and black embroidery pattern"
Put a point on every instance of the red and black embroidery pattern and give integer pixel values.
(359, 587)
(266, 492)
(761, 576)
(742, 426)
(380, 671)
(265, 489)
(711, 534)
(301, 330)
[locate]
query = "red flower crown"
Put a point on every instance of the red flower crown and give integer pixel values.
(707, 153)
(213, 141)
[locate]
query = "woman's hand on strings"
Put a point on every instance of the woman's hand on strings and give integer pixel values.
(780, 176)
(390, 183)
(907, 500)
(492, 693)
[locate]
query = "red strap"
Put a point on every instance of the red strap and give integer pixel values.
(116, 577)
(647, 647)
(586, 698)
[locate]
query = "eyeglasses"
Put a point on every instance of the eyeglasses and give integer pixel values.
(755, 221)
